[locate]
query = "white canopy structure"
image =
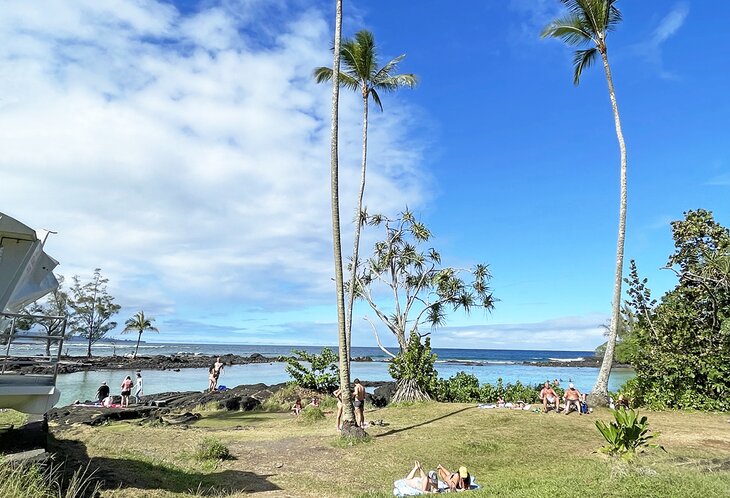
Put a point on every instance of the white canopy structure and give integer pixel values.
(26, 274)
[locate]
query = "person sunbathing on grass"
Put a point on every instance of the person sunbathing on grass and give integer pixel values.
(417, 479)
(548, 395)
(456, 481)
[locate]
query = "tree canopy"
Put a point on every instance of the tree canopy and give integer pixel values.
(683, 354)
(93, 308)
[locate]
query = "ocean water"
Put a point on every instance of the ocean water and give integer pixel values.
(487, 365)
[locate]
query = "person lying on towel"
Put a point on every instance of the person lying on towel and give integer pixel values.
(457, 481)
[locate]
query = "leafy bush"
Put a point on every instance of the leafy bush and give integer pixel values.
(415, 366)
(626, 435)
(520, 392)
(465, 388)
(322, 374)
(460, 388)
(311, 414)
(211, 449)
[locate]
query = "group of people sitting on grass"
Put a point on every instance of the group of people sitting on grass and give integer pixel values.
(298, 408)
(572, 398)
(435, 481)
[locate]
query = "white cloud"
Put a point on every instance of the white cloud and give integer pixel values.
(534, 15)
(579, 333)
(670, 24)
(184, 154)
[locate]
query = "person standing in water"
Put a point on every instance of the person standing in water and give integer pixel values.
(138, 391)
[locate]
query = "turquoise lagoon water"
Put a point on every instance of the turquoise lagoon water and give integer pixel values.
(83, 385)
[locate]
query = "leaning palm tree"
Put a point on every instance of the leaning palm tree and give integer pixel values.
(139, 323)
(362, 74)
(587, 23)
(345, 391)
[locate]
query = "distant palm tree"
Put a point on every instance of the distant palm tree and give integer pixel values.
(588, 22)
(139, 323)
(362, 74)
(345, 390)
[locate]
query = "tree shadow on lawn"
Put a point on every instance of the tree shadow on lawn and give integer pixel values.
(117, 473)
(402, 429)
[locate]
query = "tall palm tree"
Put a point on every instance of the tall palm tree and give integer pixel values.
(362, 74)
(587, 23)
(345, 391)
(139, 323)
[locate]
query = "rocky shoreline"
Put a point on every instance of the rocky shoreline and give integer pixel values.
(175, 362)
(175, 408)
(71, 364)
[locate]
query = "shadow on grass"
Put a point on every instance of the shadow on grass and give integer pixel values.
(116, 473)
(402, 429)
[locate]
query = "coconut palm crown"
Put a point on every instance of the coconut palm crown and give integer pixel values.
(587, 22)
(139, 323)
(361, 72)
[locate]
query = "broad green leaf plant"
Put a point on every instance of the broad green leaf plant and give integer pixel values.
(627, 435)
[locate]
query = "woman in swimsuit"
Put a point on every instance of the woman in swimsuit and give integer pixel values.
(338, 394)
(457, 481)
(126, 390)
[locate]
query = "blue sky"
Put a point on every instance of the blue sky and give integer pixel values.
(183, 148)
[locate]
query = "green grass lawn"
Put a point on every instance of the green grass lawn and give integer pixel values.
(511, 453)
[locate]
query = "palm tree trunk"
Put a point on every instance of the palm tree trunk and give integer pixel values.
(358, 226)
(348, 412)
(139, 337)
(600, 390)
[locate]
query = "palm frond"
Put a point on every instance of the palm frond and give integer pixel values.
(347, 81)
(367, 53)
(322, 74)
(592, 13)
(583, 59)
(572, 29)
(384, 72)
(376, 98)
(614, 16)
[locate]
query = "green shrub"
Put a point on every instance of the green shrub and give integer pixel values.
(626, 435)
(211, 449)
(311, 414)
(322, 374)
(465, 388)
(520, 392)
(460, 388)
(415, 366)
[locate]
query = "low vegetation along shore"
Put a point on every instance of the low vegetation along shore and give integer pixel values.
(273, 453)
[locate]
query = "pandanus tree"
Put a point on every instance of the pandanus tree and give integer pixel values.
(586, 25)
(362, 74)
(348, 415)
(423, 291)
(139, 323)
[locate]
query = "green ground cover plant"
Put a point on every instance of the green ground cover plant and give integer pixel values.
(211, 448)
(627, 435)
